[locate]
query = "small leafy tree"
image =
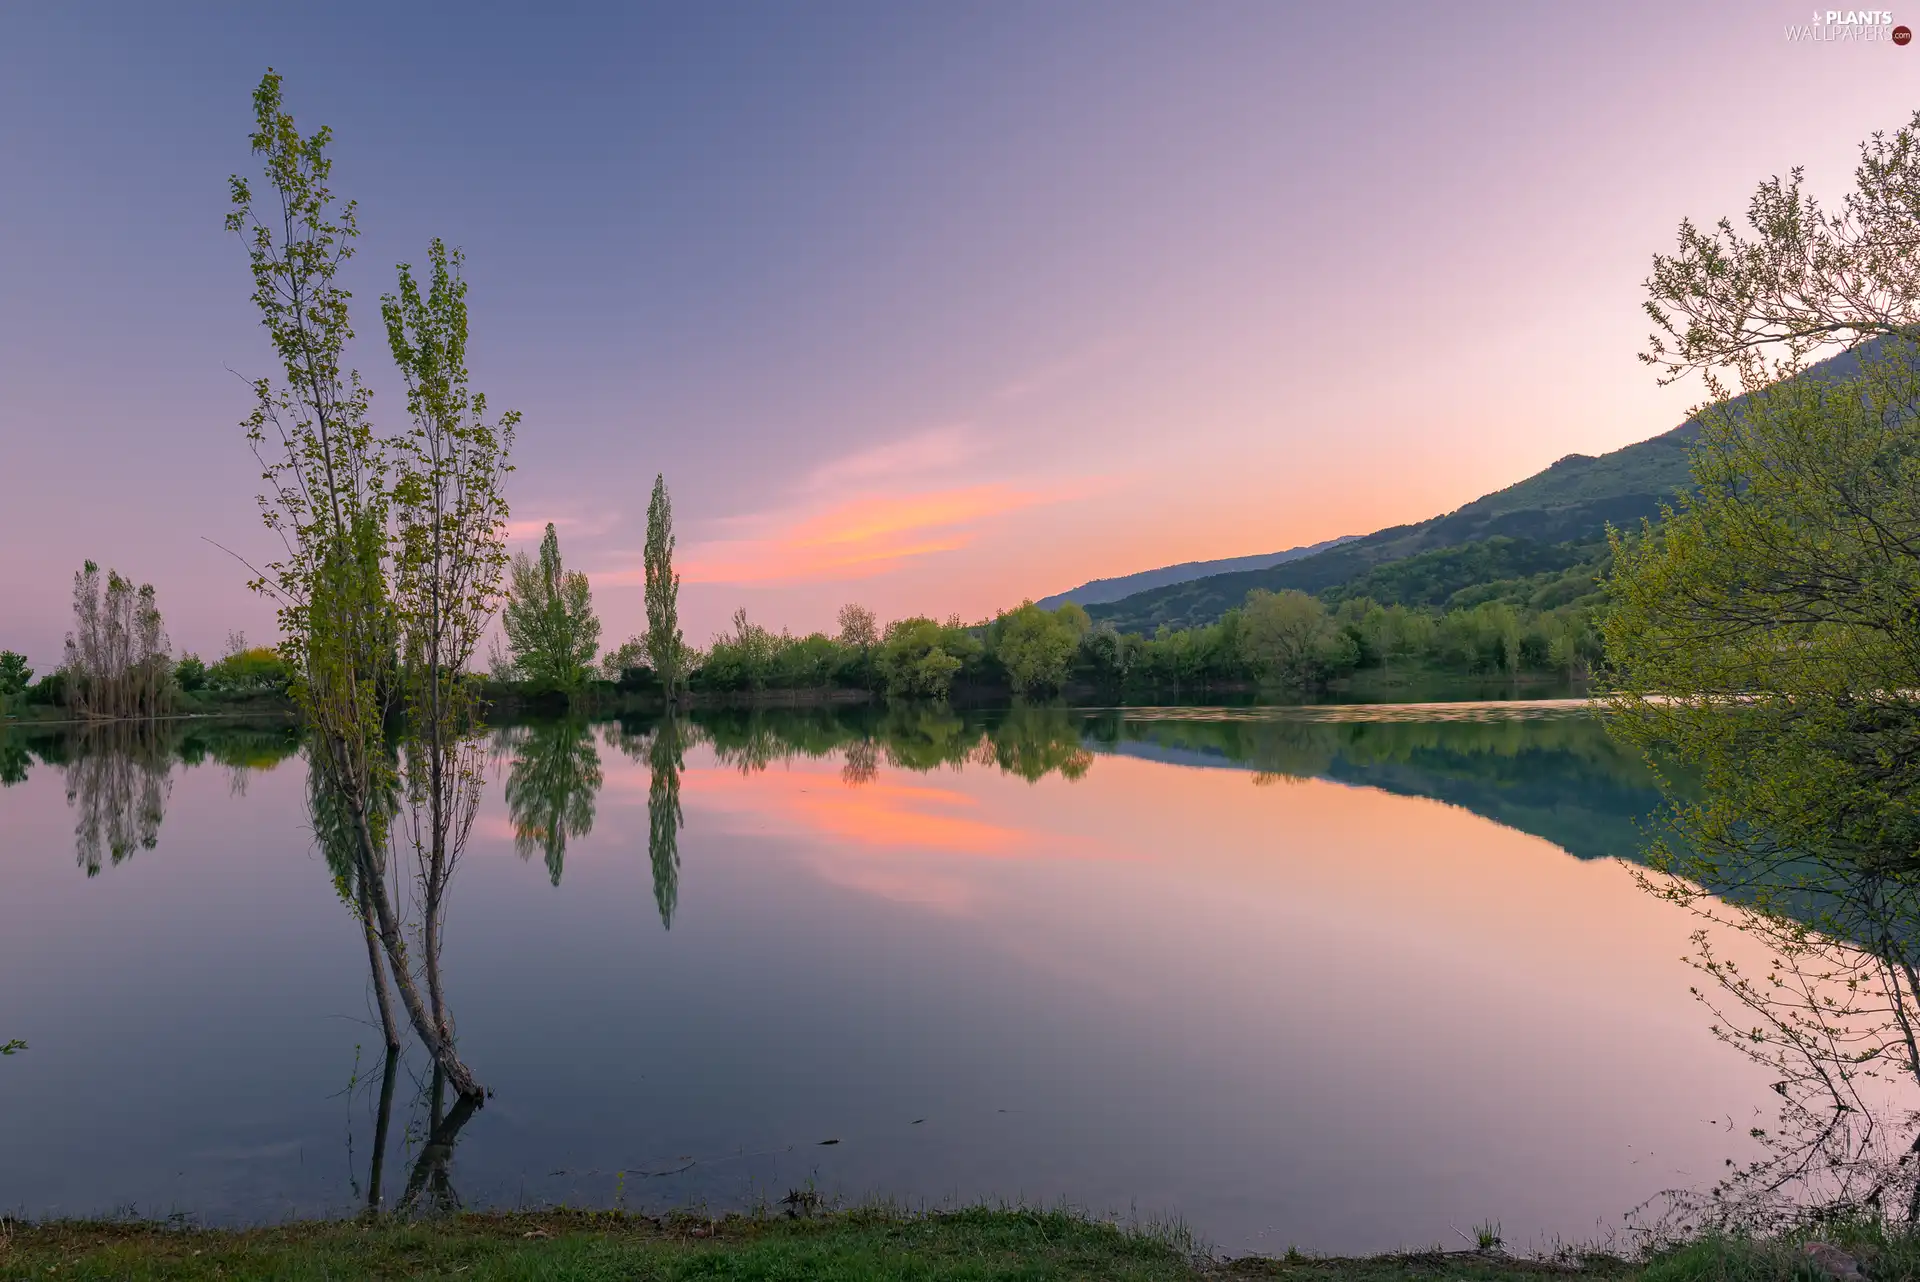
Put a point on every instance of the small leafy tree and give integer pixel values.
(631, 653)
(1283, 635)
(15, 676)
(917, 659)
(665, 645)
(1037, 647)
(549, 619)
(859, 634)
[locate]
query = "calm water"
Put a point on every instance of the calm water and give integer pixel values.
(1341, 978)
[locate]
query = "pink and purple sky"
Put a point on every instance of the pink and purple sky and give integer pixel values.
(933, 307)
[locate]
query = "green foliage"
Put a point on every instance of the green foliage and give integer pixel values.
(665, 646)
(665, 819)
(190, 674)
(549, 619)
(1038, 647)
(1442, 577)
(1764, 638)
(1288, 637)
(551, 788)
(752, 658)
(449, 518)
(13, 1047)
(326, 469)
(49, 691)
(918, 657)
(15, 675)
(1542, 525)
(631, 653)
(253, 670)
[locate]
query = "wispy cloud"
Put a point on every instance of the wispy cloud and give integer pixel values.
(530, 528)
(935, 450)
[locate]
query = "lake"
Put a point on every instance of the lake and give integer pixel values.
(1340, 978)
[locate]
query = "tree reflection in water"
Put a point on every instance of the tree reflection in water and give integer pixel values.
(118, 781)
(119, 774)
(551, 787)
(664, 816)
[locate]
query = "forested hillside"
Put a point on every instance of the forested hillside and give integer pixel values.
(1550, 527)
(1098, 591)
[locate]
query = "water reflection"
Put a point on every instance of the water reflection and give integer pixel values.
(551, 786)
(666, 759)
(794, 824)
(119, 774)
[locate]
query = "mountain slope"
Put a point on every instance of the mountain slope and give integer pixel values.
(1100, 591)
(1552, 520)
(1571, 502)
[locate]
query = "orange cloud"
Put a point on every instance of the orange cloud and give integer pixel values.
(862, 536)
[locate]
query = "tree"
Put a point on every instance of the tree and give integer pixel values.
(1283, 634)
(1758, 306)
(15, 676)
(631, 653)
(549, 619)
(915, 661)
(450, 521)
(117, 658)
(1037, 647)
(858, 628)
(389, 546)
(1112, 654)
(664, 642)
(1763, 640)
(859, 634)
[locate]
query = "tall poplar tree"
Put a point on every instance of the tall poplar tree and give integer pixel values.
(664, 645)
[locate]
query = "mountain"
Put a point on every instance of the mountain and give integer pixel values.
(1550, 521)
(1100, 591)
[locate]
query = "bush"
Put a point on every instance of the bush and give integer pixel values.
(258, 670)
(190, 674)
(48, 690)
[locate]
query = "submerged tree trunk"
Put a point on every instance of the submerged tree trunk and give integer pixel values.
(394, 943)
(382, 1122)
(382, 997)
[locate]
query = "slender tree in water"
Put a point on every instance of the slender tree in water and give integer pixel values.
(450, 553)
(390, 547)
(1763, 638)
(664, 644)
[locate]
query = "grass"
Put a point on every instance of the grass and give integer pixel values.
(875, 1243)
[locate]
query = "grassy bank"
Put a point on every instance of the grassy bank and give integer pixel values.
(871, 1244)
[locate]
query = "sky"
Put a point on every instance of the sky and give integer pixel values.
(933, 307)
